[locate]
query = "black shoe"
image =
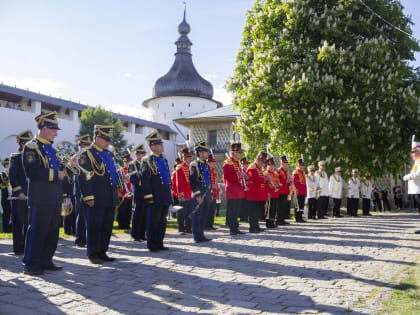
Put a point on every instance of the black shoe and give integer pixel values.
(205, 239)
(105, 257)
(52, 267)
(234, 233)
(33, 272)
(95, 260)
(163, 248)
(300, 221)
(138, 240)
(254, 231)
(261, 230)
(417, 232)
(188, 232)
(240, 232)
(79, 244)
(154, 250)
(18, 253)
(199, 241)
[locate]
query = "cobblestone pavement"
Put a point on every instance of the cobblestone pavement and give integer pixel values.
(332, 266)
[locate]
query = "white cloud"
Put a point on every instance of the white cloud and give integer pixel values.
(127, 75)
(135, 111)
(221, 95)
(210, 76)
(41, 85)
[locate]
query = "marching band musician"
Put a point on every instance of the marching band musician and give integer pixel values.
(243, 212)
(284, 191)
(45, 195)
(80, 209)
(99, 190)
(257, 191)
(366, 192)
(312, 188)
(125, 206)
(19, 185)
(139, 221)
(335, 188)
(201, 188)
(69, 220)
(156, 183)
(299, 180)
(235, 194)
(214, 180)
(272, 194)
(5, 202)
(323, 200)
(184, 192)
(353, 194)
(413, 177)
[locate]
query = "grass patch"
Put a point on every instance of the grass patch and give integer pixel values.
(406, 299)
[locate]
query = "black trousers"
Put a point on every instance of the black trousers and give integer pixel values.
(184, 216)
(99, 223)
(322, 206)
(80, 222)
(232, 213)
(19, 224)
(352, 206)
(366, 206)
(336, 208)
(273, 211)
(283, 209)
(156, 225)
(387, 206)
(254, 210)
(299, 212)
(124, 213)
(211, 214)
(416, 199)
(42, 236)
(7, 227)
(199, 216)
(69, 221)
(398, 202)
(311, 208)
(139, 223)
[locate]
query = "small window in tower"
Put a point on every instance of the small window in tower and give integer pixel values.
(203, 106)
(172, 104)
(189, 104)
(212, 137)
(180, 113)
(164, 116)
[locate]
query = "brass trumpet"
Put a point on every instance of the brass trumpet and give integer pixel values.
(66, 159)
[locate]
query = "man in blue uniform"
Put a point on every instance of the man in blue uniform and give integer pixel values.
(80, 237)
(156, 181)
(139, 221)
(19, 185)
(42, 168)
(98, 182)
(201, 188)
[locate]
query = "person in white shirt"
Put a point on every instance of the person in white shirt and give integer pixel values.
(413, 177)
(366, 191)
(312, 187)
(336, 189)
(354, 194)
(322, 203)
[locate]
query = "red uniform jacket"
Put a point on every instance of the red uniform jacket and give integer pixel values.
(183, 187)
(121, 190)
(284, 180)
(275, 191)
(173, 183)
(256, 184)
(299, 179)
(214, 179)
(233, 187)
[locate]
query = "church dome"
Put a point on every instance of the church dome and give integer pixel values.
(183, 79)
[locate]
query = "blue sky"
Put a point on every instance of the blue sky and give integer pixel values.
(110, 53)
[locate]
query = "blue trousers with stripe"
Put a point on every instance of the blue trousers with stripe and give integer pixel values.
(199, 216)
(99, 221)
(42, 236)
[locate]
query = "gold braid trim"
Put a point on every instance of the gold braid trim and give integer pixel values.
(98, 169)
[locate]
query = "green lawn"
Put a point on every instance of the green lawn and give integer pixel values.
(406, 299)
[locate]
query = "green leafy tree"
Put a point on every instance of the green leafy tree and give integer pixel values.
(328, 79)
(99, 116)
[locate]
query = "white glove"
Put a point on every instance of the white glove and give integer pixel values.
(406, 177)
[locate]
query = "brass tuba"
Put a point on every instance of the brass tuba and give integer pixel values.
(66, 207)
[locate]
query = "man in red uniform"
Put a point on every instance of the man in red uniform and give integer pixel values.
(284, 191)
(299, 179)
(125, 206)
(232, 176)
(243, 212)
(178, 161)
(272, 204)
(184, 193)
(214, 179)
(256, 194)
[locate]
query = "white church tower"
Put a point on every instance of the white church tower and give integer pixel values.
(182, 92)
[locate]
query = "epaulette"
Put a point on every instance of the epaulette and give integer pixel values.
(228, 161)
(253, 166)
(194, 163)
(32, 145)
(178, 166)
(295, 171)
(15, 155)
